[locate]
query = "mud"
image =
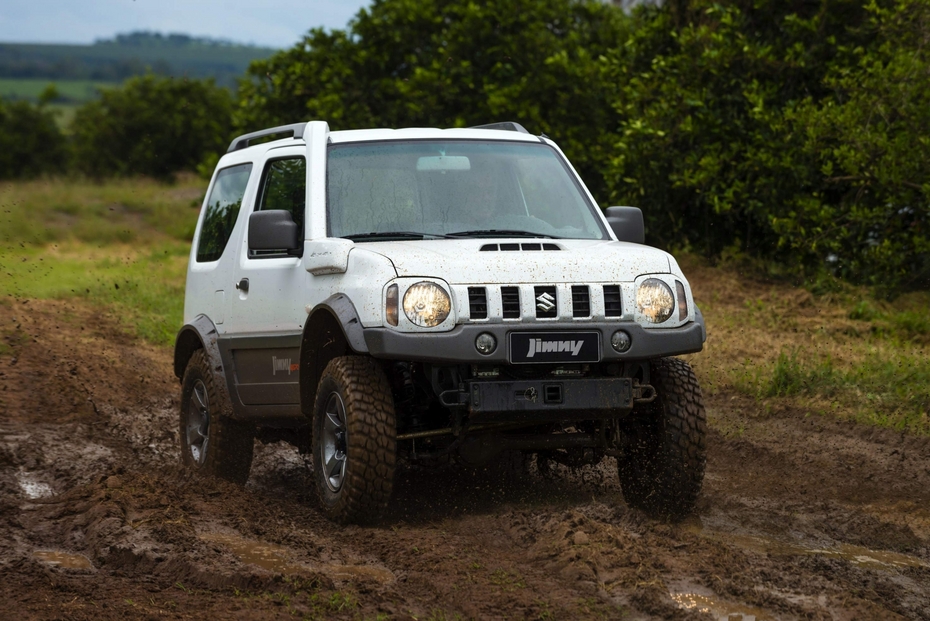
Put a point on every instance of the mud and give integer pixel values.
(801, 517)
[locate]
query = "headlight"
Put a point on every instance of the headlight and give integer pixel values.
(654, 300)
(427, 304)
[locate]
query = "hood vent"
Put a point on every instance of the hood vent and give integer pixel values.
(518, 247)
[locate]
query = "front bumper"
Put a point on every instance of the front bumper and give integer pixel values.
(457, 346)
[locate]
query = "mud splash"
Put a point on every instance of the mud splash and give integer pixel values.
(65, 560)
(276, 559)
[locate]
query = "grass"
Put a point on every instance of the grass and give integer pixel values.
(843, 353)
(121, 246)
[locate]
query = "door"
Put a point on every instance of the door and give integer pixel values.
(268, 287)
(211, 261)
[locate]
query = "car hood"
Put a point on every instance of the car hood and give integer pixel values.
(483, 261)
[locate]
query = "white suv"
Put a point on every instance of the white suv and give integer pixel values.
(432, 295)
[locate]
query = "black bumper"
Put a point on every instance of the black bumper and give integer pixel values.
(544, 399)
(458, 345)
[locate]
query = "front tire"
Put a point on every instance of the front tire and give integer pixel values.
(210, 442)
(664, 445)
(354, 440)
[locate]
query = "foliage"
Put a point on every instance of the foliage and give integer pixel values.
(151, 126)
(788, 130)
(870, 141)
(448, 63)
(30, 141)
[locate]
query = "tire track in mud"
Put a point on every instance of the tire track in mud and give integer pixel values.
(800, 518)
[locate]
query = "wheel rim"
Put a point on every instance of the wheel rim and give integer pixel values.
(198, 423)
(333, 443)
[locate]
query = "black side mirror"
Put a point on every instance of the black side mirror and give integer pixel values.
(627, 224)
(274, 229)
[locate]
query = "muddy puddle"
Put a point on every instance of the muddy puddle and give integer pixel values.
(64, 560)
(277, 559)
(719, 608)
(31, 487)
(855, 555)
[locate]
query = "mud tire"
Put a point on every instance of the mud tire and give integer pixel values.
(228, 450)
(664, 446)
(370, 440)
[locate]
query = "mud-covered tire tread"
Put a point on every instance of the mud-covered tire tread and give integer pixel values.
(231, 448)
(662, 471)
(371, 438)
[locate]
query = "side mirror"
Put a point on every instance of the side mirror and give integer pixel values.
(627, 224)
(274, 229)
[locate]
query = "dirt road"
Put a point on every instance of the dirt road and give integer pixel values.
(801, 517)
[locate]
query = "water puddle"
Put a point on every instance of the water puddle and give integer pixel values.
(856, 555)
(276, 559)
(65, 560)
(719, 609)
(32, 487)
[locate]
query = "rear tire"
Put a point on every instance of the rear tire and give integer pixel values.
(664, 445)
(354, 440)
(210, 442)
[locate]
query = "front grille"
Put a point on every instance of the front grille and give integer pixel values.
(478, 302)
(581, 301)
(545, 302)
(613, 301)
(510, 299)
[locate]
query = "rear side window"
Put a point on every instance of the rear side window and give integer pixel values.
(284, 186)
(222, 211)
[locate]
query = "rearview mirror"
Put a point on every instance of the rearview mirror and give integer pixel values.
(444, 162)
(627, 224)
(274, 229)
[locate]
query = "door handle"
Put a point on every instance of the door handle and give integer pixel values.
(243, 285)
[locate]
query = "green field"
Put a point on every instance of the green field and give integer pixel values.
(76, 91)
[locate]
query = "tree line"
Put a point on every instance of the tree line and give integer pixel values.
(792, 131)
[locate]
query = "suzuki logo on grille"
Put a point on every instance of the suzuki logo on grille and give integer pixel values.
(545, 302)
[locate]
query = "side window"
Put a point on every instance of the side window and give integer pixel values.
(284, 186)
(222, 210)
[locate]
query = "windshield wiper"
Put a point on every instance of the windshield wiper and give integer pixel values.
(500, 233)
(391, 234)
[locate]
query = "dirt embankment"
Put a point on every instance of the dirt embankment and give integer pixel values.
(801, 517)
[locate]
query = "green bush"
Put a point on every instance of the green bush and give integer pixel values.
(151, 126)
(30, 142)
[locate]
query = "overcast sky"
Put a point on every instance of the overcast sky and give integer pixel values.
(272, 23)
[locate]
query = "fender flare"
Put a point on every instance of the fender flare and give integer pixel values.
(201, 334)
(332, 329)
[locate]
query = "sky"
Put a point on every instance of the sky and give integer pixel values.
(269, 23)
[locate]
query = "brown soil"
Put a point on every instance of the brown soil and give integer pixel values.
(801, 517)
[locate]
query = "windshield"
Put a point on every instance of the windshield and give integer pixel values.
(405, 190)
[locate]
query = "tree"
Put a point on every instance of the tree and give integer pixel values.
(449, 63)
(151, 126)
(869, 140)
(30, 142)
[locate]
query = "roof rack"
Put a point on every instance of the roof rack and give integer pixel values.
(296, 130)
(508, 126)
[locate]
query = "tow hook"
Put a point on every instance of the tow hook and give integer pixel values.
(643, 393)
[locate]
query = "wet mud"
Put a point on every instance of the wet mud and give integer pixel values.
(801, 517)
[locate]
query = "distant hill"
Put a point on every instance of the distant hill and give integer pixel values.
(114, 60)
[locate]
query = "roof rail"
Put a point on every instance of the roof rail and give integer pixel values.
(508, 126)
(296, 130)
